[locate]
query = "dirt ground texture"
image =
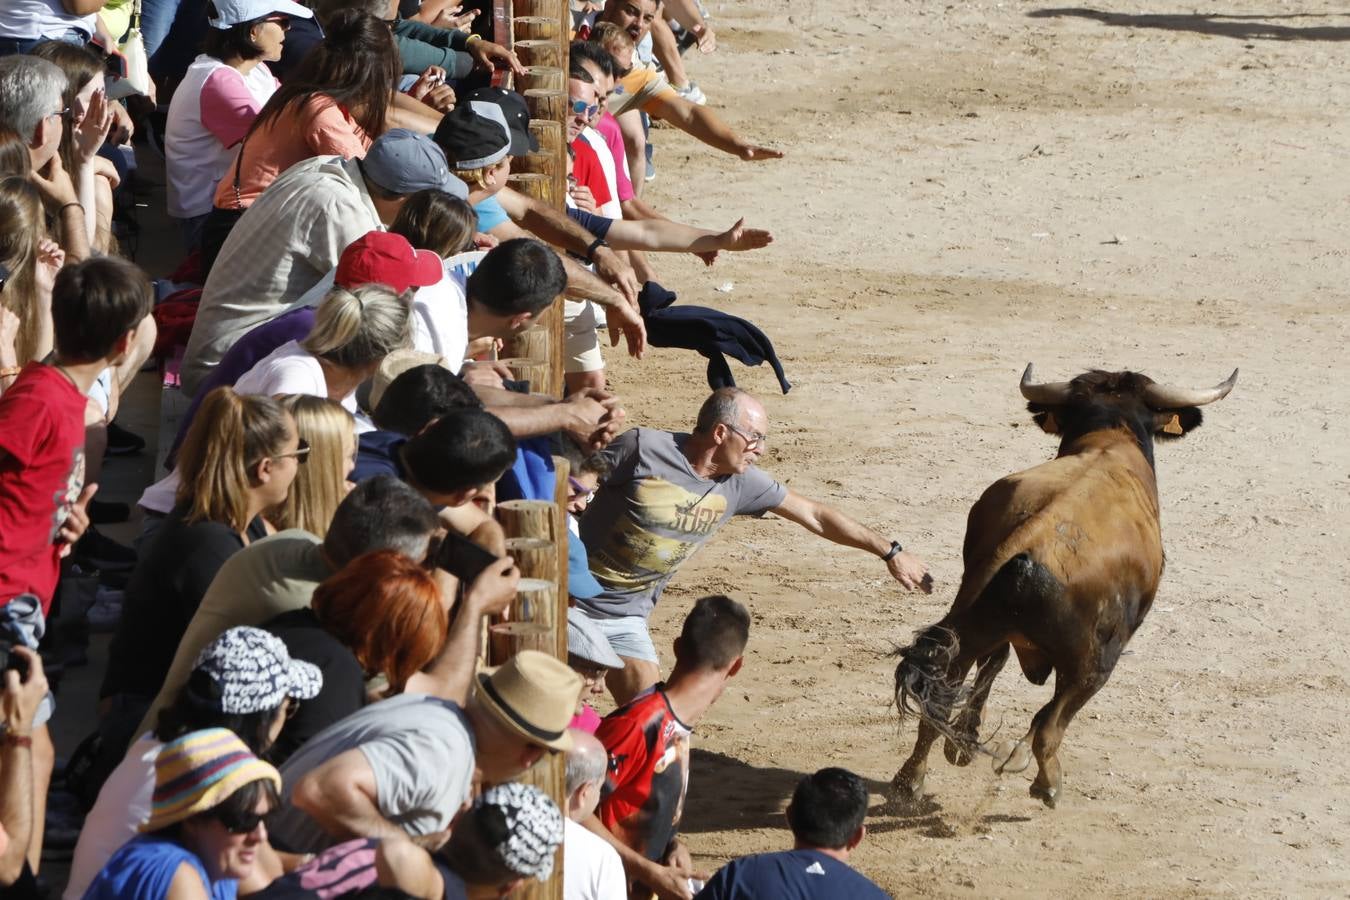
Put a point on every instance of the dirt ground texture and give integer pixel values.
(969, 187)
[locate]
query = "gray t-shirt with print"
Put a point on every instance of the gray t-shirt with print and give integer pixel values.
(654, 512)
(421, 751)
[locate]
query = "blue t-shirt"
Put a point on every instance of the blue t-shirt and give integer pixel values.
(789, 875)
(144, 868)
(490, 214)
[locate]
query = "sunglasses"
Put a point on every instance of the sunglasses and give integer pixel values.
(283, 21)
(579, 490)
(245, 823)
(581, 107)
(301, 452)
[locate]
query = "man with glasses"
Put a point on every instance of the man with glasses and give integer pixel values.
(667, 495)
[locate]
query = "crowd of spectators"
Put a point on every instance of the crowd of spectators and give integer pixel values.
(295, 702)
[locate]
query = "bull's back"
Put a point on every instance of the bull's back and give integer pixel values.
(1087, 518)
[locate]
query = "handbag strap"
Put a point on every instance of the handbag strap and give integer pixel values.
(136, 14)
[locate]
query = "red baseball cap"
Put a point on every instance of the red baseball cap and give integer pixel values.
(380, 257)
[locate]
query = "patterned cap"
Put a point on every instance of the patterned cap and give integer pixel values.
(534, 828)
(254, 672)
(198, 771)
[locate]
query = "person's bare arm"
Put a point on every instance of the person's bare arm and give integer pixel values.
(186, 884)
(835, 526)
(637, 208)
(414, 115)
(668, 882)
(406, 867)
(450, 675)
(18, 706)
(634, 147)
(663, 234)
(341, 797)
(557, 229)
(705, 125)
(582, 415)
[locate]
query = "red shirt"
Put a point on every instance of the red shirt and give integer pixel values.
(644, 792)
(41, 476)
(587, 171)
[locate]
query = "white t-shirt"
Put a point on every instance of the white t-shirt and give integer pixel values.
(27, 20)
(289, 369)
(122, 805)
(440, 311)
(211, 110)
(592, 869)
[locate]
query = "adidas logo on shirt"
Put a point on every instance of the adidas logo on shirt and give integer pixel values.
(815, 869)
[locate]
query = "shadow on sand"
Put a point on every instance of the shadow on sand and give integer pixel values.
(1242, 28)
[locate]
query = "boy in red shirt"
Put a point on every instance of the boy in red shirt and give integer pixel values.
(96, 307)
(648, 745)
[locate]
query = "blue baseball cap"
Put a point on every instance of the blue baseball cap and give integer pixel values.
(404, 162)
(580, 582)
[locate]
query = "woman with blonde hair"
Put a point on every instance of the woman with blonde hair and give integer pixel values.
(238, 460)
(322, 482)
(29, 262)
(353, 332)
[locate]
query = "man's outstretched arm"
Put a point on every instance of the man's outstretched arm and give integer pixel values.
(833, 525)
(704, 124)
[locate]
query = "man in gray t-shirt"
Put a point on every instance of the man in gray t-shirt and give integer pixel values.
(667, 494)
(405, 765)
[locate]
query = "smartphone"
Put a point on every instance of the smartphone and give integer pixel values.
(463, 558)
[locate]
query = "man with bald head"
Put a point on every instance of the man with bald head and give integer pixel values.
(667, 495)
(592, 869)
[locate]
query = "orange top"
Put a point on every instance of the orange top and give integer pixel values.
(321, 128)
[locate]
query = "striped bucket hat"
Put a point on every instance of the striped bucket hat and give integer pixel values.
(198, 771)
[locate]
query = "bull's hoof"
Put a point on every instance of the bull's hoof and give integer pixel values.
(1047, 795)
(1011, 757)
(905, 795)
(956, 754)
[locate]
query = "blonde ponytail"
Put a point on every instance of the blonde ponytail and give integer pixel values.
(360, 327)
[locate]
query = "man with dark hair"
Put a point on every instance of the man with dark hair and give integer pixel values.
(457, 456)
(826, 817)
(648, 745)
(668, 494)
(418, 395)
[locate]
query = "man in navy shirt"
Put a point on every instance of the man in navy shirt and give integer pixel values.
(826, 817)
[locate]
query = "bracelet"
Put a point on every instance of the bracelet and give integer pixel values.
(66, 206)
(890, 554)
(471, 38)
(17, 740)
(595, 245)
(10, 371)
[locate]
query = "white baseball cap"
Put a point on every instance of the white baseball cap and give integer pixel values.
(236, 12)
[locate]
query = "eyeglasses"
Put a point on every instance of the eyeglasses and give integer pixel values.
(579, 490)
(581, 107)
(753, 439)
(246, 823)
(283, 21)
(66, 114)
(301, 452)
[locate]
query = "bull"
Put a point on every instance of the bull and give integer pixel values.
(1061, 565)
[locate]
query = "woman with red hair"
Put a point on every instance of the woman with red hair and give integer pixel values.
(382, 614)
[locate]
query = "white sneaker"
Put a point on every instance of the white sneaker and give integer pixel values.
(692, 93)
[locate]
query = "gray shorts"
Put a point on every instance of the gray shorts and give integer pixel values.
(25, 613)
(628, 635)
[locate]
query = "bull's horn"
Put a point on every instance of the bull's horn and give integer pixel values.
(1051, 392)
(1163, 396)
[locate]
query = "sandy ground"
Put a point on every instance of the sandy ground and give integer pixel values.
(970, 187)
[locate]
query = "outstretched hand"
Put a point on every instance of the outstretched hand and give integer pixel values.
(755, 153)
(911, 572)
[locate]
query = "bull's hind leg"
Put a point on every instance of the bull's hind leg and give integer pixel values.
(907, 785)
(967, 724)
(1047, 729)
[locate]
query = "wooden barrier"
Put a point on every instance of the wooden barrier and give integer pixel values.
(537, 52)
(546, 104)
(535, 371)
(549, 135)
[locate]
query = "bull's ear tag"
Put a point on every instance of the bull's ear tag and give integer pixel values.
(1173, 425)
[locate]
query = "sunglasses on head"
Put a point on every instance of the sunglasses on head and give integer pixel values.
(581, 107)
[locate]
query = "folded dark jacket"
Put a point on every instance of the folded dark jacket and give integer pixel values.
(709, 331)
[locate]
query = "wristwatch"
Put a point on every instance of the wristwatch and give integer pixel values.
(595, 245)
(890, 554)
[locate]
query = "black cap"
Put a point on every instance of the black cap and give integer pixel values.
(517, 117)
(474, 135)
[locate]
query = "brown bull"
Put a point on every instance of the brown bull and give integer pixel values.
(1061, 565)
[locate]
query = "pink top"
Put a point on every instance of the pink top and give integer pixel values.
(608, 127)
(587, 720)
(319, 128)
(228, 107)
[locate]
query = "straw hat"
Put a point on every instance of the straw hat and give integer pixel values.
(535, 696)
(198, 771)
(398, 362)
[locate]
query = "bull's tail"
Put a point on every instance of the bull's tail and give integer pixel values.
(925, 683)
